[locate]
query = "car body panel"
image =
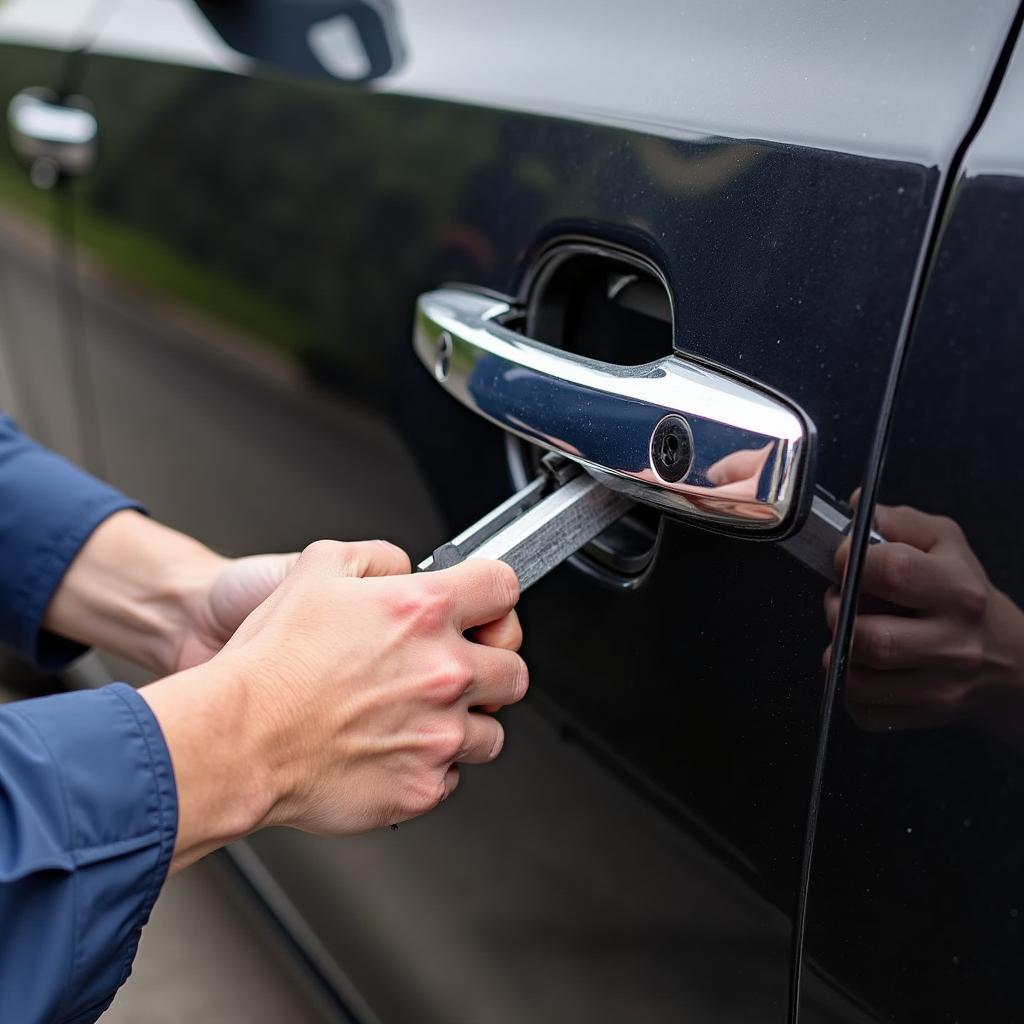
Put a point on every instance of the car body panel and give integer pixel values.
(39, 362)
(917, 887)
(250, 248)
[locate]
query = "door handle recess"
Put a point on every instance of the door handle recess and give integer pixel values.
(673, 433)
(52, 137)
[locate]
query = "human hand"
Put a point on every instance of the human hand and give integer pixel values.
(217, 605)
(342, 704)
(943, 644)
(162, 599)
(214, 608)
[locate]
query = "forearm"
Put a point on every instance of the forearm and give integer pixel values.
(129, 589)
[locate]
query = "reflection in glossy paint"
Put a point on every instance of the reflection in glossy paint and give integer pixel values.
(935, 641)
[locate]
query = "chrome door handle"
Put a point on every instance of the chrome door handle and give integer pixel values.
(52, 137)
(673, 433)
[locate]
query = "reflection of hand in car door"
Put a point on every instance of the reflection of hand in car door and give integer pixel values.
(737, 476)
(938, 643)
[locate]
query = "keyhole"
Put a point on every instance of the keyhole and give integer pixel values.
(443, 356)
(670, 449)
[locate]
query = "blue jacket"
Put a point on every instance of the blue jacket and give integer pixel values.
(88, 807)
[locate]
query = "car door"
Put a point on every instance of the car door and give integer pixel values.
(42, 370)
(916, 889)
(750, 187)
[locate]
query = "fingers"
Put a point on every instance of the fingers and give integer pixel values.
(894, 642)
(909, 525)
(484, 739)
(903, 700)
(899, 524)
(376, 558)
(908, 577)
(482, 590)
(841, 557)
(498, 677)
(832, 602)
(737, 466)
(451, 781)
(353, 558)
(275, 567)
(880, 701)
(926, 691)
(505, 633)
(903, 523)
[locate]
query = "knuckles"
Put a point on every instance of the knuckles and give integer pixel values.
(895, 566)
(967, 658)
(972, 598)
(450, 743)
(397, 559)
(878, 642)
(944, 702)
(949, 529)
(444, 741)
(448, 679)
(319, 551)
(420, 605)
(423, 795)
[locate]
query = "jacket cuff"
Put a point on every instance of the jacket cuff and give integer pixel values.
(47, 650)
(115, 832)
(48, 510)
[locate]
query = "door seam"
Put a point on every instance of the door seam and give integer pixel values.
(863, 517)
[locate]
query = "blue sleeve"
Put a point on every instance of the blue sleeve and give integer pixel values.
(48, 509)
(88, 819)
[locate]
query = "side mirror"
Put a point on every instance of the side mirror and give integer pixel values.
(346, 40)
(52, 136)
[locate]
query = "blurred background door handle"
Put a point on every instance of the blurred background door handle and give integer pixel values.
(52, 137)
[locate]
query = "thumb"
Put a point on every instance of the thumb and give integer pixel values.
(375, 558)
(353, 559)
(243, 585)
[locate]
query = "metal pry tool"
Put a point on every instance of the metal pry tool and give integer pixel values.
(815, 543)
(540, 526)
(565, 508)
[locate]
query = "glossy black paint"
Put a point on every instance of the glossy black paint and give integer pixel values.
(250, 248)
(614, 696)
(38, 380)
(918, 890)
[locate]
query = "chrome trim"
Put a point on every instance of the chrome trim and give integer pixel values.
(61, 134)
(604, 416)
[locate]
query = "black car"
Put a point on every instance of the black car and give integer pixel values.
(729, 796)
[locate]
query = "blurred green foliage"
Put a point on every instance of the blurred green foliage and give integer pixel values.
(270, 203)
